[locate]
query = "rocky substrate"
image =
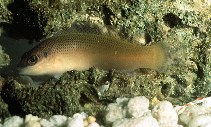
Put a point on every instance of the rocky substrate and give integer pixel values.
(128, 112)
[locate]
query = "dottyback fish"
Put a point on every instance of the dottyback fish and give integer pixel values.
(80, 51)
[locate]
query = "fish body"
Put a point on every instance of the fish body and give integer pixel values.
(80, 51)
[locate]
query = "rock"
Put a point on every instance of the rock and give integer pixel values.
(76, 121)
(165, 114)
(56, 120)
(32, 121)
(192, 111)
(200, 121)
(14, 121)
(137, 106)
(147, 121)
(114, 112)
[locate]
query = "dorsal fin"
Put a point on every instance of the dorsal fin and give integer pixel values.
(85, 27)
(89, 28)
(81, 27)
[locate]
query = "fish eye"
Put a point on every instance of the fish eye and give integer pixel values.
(32, 60)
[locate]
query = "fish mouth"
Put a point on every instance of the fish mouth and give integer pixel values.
(30, 71)
(21, 70)
(25, 70)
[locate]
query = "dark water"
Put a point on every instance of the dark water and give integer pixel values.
(14, 48)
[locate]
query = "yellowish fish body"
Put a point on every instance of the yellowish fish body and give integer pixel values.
(80, 51)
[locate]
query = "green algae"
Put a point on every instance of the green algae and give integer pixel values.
(76, 91)
(4, 110)
(183, 25)
(4, 58)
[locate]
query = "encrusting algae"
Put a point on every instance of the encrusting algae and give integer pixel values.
(83, 50)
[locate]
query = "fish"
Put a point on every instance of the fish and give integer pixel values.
(81, 51)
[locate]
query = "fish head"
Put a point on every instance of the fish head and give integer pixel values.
(34, 61)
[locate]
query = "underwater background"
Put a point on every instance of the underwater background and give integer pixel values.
(182, 25)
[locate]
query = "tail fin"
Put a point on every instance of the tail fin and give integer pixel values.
(161, 56)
